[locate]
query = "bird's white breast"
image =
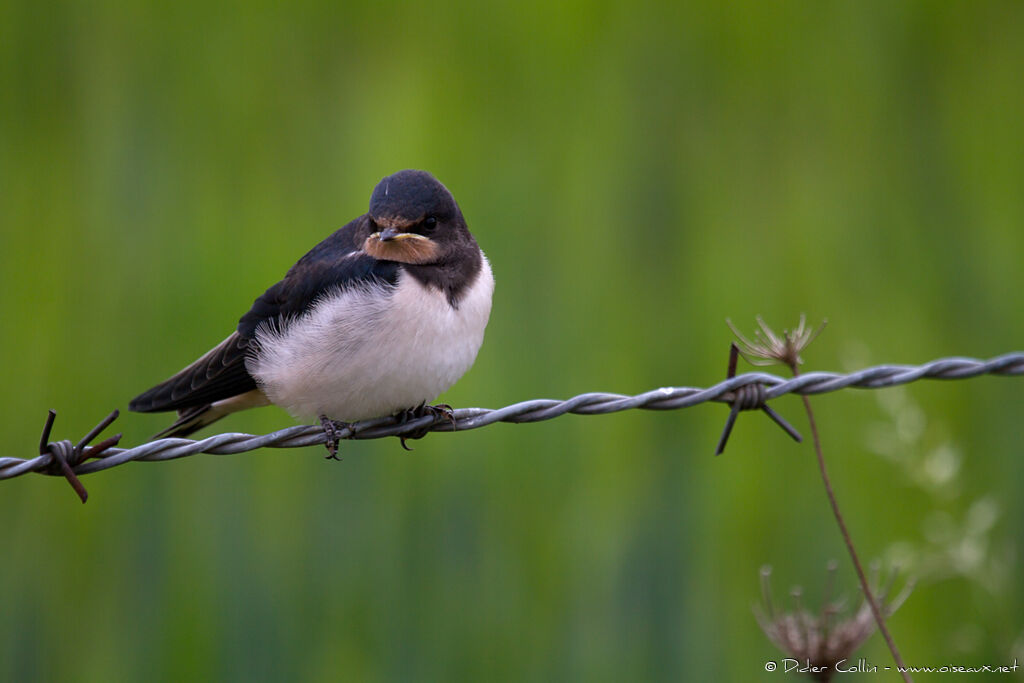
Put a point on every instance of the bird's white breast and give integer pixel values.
(372, 350)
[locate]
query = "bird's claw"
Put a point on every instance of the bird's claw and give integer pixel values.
(438, 412)
(332, 432)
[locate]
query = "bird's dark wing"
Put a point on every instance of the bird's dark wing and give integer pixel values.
(335, 263)
(219, 374)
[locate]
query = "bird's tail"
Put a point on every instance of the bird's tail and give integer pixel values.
(191, 420)
(194, 418)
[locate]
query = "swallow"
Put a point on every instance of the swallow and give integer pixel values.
(378, 319)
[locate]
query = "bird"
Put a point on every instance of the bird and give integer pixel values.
(378, 319)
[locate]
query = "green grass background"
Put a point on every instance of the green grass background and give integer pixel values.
(636, 172)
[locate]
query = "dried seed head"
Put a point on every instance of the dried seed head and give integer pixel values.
(769, 348)
(830, 636)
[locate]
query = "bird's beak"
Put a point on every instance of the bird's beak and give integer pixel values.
(396, 244)
(394, 235)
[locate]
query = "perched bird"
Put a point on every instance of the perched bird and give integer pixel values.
(377, 319)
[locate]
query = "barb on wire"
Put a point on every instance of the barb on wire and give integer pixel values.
(749, 397)
(103, 456)
(61, 457)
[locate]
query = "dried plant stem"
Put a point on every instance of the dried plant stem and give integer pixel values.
(868, 595)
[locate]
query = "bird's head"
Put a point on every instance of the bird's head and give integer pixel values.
(414, 219)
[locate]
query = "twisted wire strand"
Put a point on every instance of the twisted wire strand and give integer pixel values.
(595, 403)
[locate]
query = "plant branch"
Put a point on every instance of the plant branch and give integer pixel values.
(879, 618)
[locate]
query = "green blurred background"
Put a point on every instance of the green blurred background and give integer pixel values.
(636, 173)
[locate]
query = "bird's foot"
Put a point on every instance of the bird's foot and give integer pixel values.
(332, 430)
(438, 412)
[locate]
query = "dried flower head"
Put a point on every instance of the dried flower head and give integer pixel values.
(825, 639)
(769, 348)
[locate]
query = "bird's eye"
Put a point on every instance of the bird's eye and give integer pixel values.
(429, 224)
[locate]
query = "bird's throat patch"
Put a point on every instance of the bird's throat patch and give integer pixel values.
(405, 248)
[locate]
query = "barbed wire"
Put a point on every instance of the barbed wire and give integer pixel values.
(62, 458)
